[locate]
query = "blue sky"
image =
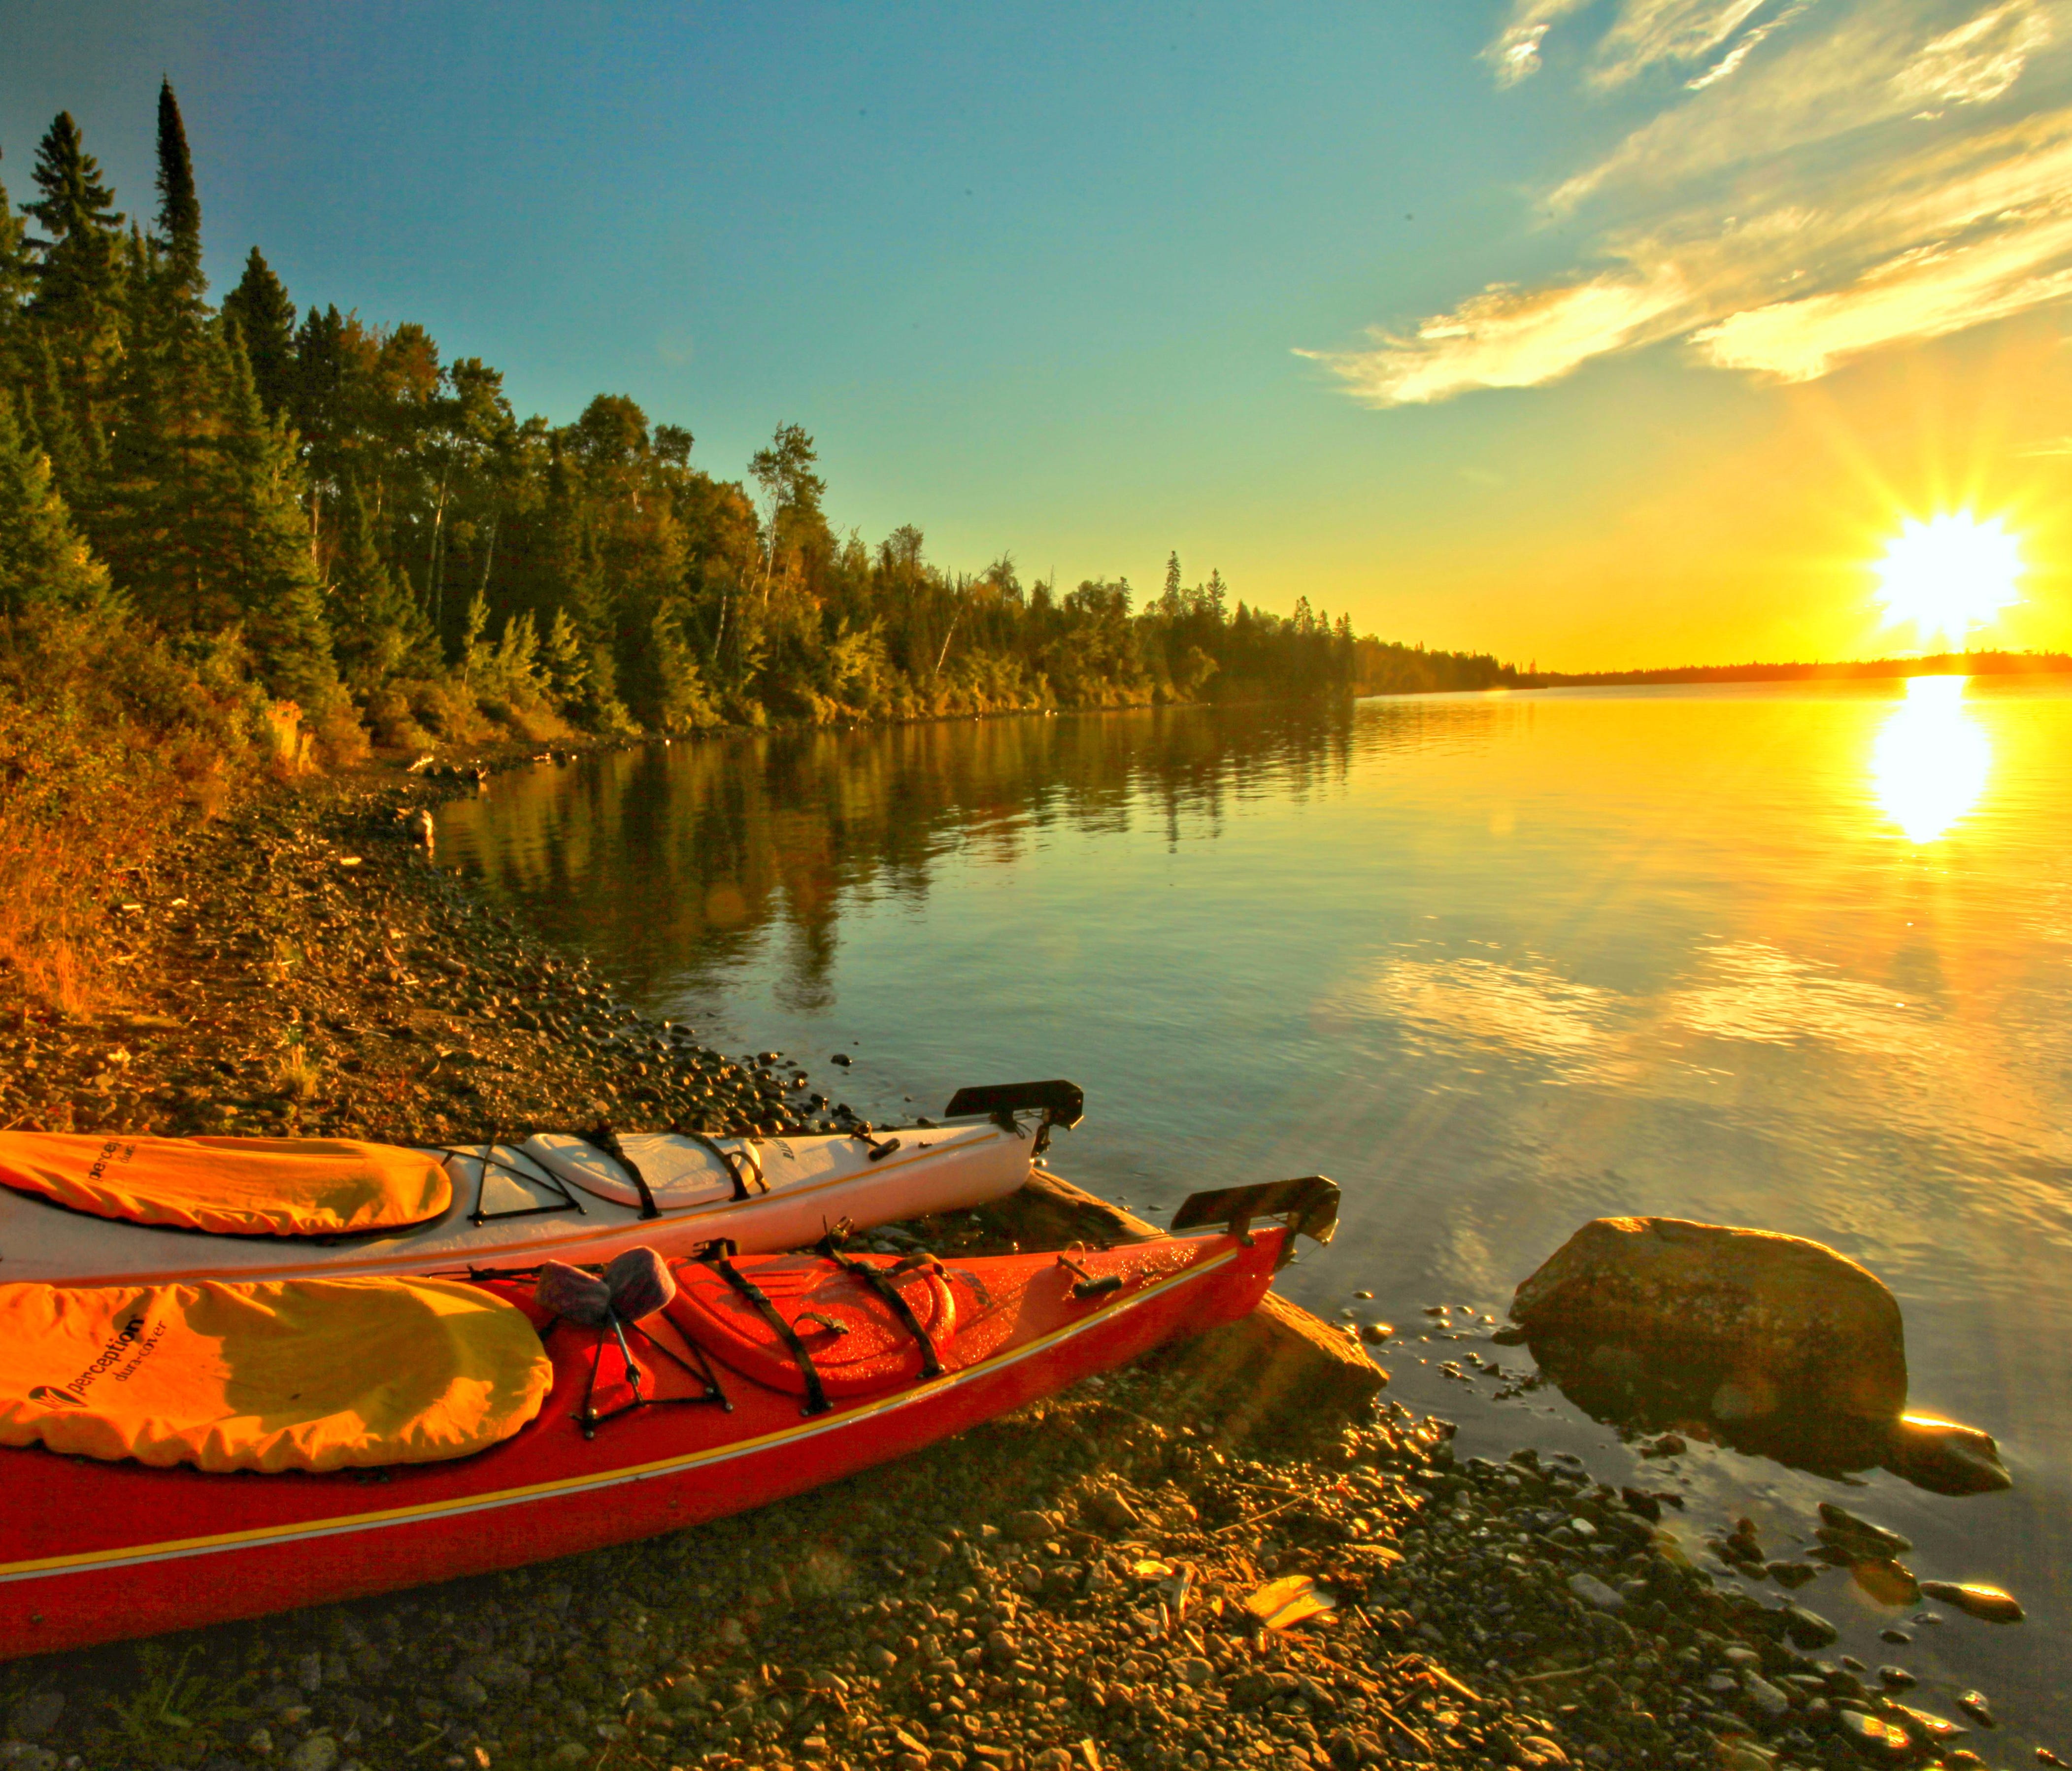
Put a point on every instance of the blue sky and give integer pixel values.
(1591, 330)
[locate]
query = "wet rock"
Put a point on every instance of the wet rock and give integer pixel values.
(1938, 1730)
(1889, 1583)
(1785, 1321)
(1857, 1539)
(1975, 1599)
(1945, 1457)
(1808, 1629)
(1872, 1735)
(1896, 1679)
(1975, 1704)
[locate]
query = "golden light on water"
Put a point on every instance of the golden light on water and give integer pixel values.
(1949, 575)
(1929, 763)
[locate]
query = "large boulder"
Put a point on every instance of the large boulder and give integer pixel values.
(1776, 1322)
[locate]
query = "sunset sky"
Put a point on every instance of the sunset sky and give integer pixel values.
(1590, 332)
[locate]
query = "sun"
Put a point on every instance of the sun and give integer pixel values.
(1949, 575)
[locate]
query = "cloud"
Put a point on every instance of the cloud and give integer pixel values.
(1515, 54)
(1648, 33)
(1504, 338)
(1838, 177)
(1978, 61)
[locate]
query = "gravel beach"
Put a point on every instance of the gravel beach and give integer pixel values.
(1138, 1573)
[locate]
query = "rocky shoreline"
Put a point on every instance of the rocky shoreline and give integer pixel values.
(1108, 1580)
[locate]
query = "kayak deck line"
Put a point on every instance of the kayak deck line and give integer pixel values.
(599, 1481)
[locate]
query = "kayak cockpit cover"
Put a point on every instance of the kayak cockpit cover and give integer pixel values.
(854, 1339)
(233, 1186)
(298, 1374)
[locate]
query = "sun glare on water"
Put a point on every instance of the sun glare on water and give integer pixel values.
(1929, 764)
(1949, 575)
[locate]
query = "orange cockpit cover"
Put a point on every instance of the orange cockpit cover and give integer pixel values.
(236, 1186)
(294, 1374)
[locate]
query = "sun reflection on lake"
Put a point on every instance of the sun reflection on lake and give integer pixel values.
(1931, 759)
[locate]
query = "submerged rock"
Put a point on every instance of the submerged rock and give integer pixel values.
(1779, 1321)
(1945, 1457)
(1976, 1600)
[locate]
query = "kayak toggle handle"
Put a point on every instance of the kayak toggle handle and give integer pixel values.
(1086, 1285)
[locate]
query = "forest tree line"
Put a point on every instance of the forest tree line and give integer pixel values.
(339, 515)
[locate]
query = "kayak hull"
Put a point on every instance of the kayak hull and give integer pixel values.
(91, 1552)
(798, 1189)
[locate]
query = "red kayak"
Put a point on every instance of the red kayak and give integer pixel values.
(764, 1376)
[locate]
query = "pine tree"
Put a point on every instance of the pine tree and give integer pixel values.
(378, 627)
(266, 550)
(158, 520)
(77, 264)
(56, 429)
(265, 320)
(43, 562)
(179, 208)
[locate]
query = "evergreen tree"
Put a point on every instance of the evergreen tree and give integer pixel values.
(43, 562)
(162, 503)
(56, 429)
(265, 320)
(378, 627)
(267, 548)
(76, 255)
(179, 208)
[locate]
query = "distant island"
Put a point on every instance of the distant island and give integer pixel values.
(1944, 664)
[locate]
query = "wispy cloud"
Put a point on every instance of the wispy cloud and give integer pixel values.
(1514, 54)
(1826, 177)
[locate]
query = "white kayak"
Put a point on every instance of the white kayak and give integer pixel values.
(561, 1195)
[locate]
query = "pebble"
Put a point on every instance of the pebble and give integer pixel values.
(318, 1753)
(1975, 1599)
(1808, 1628)
(1896, 1679)
(1872, 1734)
(1975, 1704)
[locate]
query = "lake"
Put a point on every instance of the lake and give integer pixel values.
(1797, 957)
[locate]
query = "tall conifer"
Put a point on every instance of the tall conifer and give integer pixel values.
(266, 546)
(265, 320)
(179, 206)
(76, 255)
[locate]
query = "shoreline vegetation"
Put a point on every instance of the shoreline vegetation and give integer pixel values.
(240, 540)
(1076, 1587)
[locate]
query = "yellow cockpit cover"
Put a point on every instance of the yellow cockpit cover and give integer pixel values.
(297, 1374)
(236, 1186)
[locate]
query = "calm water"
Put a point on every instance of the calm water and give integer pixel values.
(1799, 958)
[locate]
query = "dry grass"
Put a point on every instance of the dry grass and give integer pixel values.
(297, 1074)
(107, 743)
